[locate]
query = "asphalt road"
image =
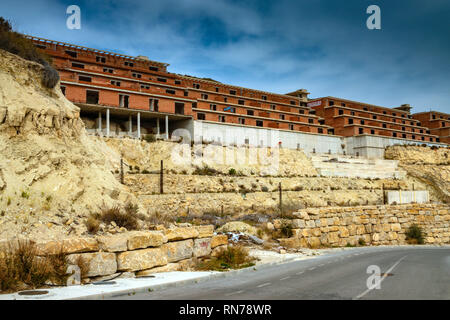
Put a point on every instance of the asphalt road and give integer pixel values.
(412, 273)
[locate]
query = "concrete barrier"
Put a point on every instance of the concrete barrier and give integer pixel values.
(404, 197)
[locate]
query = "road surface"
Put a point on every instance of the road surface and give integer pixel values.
(411, 272)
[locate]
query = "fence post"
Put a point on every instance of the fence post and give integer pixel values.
(161, 178)
(121, 171)
(281, 199)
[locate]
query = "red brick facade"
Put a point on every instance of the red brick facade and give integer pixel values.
(351, 118)
(437, 122)
(95, 77)
(90, 76)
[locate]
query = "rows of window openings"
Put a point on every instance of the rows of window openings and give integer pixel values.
(331, 103)
(134, 74)
(102, 59)
(433, 116)
(151, 68)
(395, 135)
(234, 92)
(139, 76)
(205, 96)
(259, 123)
(374, 117)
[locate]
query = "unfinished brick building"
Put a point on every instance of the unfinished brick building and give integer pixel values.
(124, 87)
(124, 95)
(437, 122)
(351, 118)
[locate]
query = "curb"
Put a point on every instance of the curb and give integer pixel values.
(157, 287)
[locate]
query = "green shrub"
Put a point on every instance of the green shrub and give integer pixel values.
(231, 257)
(205, 171)
(232, 172)
(149, 138)
(414, 234)
(286, 230)
(361, 242)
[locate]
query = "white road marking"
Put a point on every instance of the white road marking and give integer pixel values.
(321, 265)
(381, 280)
(264, 284)
(311, 269)
(236, 292)
(298, 273)
(285, 278)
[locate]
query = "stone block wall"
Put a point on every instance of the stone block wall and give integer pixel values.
(135, 253)
(375, 225)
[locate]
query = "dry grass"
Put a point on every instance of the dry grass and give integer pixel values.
(83, 264)
(126, 218)
(21, 267)
(205, 171)
(288, 208)
(92, 224)
(231, 257)
(158, 218)
(285, 231)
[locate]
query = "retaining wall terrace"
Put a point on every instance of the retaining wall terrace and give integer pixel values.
(375, 225)
(136, 253)
(367, 146)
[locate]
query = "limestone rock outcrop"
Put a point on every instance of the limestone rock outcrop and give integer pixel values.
(50, 169)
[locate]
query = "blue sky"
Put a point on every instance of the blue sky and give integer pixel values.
(277, 46)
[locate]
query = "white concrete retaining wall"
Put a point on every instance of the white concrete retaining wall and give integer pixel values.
(239, 135)
(373, 146)
(404, 197)
(365, 146)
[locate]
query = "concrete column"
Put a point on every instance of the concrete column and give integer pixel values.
(107, 123)
(167, 127)
(139, 125)
(130, 124)
(157, 127)
(100, 121)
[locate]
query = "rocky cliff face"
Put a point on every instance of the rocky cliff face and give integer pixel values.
(419, 155)
(430, 166)
(50, 170)
(26, 106)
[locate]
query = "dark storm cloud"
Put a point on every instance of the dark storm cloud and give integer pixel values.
(279, 46)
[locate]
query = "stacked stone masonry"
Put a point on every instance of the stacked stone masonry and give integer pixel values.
(135, 253)
(375, 225)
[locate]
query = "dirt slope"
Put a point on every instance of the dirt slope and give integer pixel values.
(50, 170)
